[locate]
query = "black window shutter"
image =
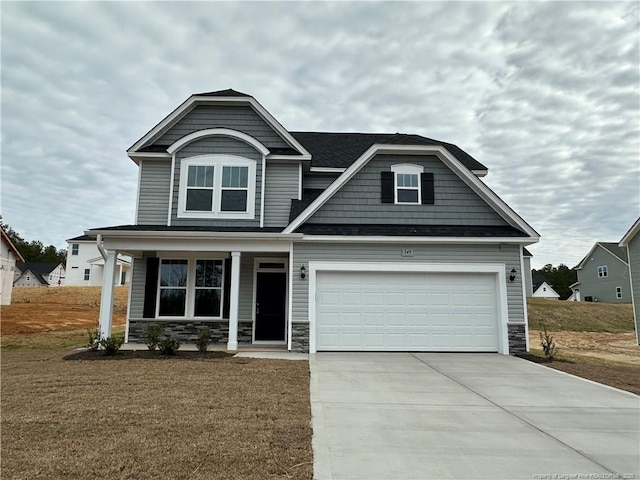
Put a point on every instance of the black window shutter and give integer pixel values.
(386, 187)
(428, 197)
(226, 289)
(151, 288)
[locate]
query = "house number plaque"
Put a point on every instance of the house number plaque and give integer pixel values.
(407, 252)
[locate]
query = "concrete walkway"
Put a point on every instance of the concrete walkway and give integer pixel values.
(466, 416)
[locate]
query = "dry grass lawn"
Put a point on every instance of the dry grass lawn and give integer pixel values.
(175, 418)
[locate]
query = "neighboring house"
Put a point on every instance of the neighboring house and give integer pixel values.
(603, 275)
(315, 241)
(9, 255)
(542, 288)
(631, 242)
(527, 272)
(85, 264)
(575, 292)
(32, 274)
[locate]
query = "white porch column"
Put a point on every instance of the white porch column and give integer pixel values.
(232, 344)
(106, 300)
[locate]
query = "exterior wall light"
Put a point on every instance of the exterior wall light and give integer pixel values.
(512, 277)
(303, 272)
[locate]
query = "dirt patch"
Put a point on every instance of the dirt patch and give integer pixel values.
(615, 375)
(35, 310)
(615, 347)
(141, 418)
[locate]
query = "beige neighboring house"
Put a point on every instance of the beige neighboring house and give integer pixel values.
(8, 257)
(631, 241)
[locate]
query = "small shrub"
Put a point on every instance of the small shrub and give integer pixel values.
(93, 335)
(168, 346)
(203, 339)
(547, 342)
(111, 344)
(152, 336)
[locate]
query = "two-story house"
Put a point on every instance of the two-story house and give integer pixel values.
(631, 243)
(85, 264)
(603, 275)
(315, 241)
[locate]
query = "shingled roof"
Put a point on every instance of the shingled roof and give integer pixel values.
(340, 150)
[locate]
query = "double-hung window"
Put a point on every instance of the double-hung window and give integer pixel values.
(190, 288)
(87, 274)
(603, 271)
(74, 248)
(407, 184)
(217, 186)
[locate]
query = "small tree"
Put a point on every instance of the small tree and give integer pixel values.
(547, 342)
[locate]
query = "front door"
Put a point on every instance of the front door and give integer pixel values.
(271, 293)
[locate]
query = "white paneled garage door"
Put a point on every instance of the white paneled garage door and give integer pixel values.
(416, 311)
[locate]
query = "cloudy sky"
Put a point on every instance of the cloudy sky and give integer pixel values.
(545, 94)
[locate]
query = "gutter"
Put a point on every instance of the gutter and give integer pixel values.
(100, 247)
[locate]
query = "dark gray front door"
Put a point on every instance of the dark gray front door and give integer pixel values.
(271, 290)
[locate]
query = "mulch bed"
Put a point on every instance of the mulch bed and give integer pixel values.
(618, 376)
(96, 355)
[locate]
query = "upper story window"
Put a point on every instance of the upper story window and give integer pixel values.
(74, 248)
(407, 183)
(217, 186)
(603, 271)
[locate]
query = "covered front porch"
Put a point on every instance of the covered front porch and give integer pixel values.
(236, 284)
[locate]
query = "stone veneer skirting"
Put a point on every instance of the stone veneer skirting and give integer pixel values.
(187, 331)
(517, 338)
(300, 337)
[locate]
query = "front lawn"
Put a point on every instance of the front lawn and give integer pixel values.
(137, 418)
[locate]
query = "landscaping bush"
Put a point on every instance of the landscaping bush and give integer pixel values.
(152, 336)
(168, 346)
(203, 339)
(111, 345)
(547, 342)
(94, 338)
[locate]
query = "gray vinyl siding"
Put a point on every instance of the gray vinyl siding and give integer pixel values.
(318, 181)
(153, 197)
(245, 304)
(217, 145)
(281, 186)
(138, 280)
(528, 280)
(358, 201)
(304, 252)
(604, 289)
(634, 267)
(241, 118)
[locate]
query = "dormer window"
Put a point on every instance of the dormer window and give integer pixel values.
(217, 186)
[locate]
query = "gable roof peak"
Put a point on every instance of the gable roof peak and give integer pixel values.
(229, 92)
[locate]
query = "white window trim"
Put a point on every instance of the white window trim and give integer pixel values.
(603, 271)
(218, 162)
(618, 292)
(408, 169)
(190, 287)
(75, 248)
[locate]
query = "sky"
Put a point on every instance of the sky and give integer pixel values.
(545, 94)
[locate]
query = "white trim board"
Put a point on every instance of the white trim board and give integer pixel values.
(498, 270)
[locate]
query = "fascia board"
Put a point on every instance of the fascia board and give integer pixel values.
(138, 157)
(12, 247)
(192, 234)
(289, 158)
(480, 173)
(630, 235)
(406, 239)
(453, 163)
(326, 170)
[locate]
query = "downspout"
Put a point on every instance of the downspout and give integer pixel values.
(100, 247)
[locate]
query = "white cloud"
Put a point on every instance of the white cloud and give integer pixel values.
(544, 93)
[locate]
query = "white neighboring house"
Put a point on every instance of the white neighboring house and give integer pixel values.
(542, 288)
(85, 265)
(39, 274)
(575, 292)
(9, 255)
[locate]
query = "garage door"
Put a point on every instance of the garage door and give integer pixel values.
(377, 311)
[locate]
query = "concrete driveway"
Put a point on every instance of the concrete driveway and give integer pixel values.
(466, 416)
